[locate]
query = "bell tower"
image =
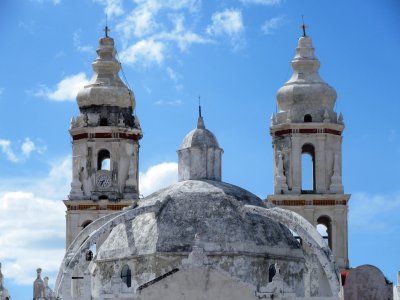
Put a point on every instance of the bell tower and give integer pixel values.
(306, 125)
(105, 145)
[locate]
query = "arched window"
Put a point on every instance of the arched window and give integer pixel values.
(86, 223)
(307, 169)
(271, 272)
(103, 160)
(126, 275)
(324, 227)
(103, 122)
(307, 118)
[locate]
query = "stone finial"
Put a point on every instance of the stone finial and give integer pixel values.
(200, 123)
(38, 286)
(336, 185)
(340, 119)
(327, 119)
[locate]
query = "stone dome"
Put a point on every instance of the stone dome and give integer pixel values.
(306, 92)
(205, 213)
(200, 137)
(106, 88)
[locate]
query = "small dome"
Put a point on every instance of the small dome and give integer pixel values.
(193, 212)
(200, 137)
(106, 88)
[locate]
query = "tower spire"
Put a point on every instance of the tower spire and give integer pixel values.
(199, 107)
(200, 120)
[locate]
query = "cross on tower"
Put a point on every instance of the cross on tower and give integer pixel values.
(199, 107)
(304, 26)
(106, 30)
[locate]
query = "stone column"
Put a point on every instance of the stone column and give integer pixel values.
(320, 180)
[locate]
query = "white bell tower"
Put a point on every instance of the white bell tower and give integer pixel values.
(307, 125)
(105, 145)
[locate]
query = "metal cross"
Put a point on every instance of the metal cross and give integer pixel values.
(106, 29)
(304, 26)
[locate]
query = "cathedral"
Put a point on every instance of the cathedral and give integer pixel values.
(203, 238)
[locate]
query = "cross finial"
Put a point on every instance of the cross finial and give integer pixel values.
(199, 107)
(106, 29)
(303, 26)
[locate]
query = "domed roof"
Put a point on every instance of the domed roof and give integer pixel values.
(305, 91)
(106, 88)
(200, 137)
(198, 212)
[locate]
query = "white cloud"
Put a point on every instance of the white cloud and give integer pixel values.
(269, 26)
(32, 223)
(173, 75)
(55, 2)
(374, 212)
(5, 146)
(157, 177)
(176, 78)
(66, 89)
(181, 36)
(172, 103)
(27, 147)
(153, 31)
(145, 52)
(27, 26)
(228, 23)
(78, 44)
(139, 22)
(112, 7)
(261, 2)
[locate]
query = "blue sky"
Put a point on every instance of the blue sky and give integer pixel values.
(235, 54)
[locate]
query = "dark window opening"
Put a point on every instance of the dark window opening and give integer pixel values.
(271, 272)
(308, 169)
(103, 197)
(86, 223)
(89, 255)
(103, 122)
(126, 276)
(307, 118)
(103, 160)
(324, 227)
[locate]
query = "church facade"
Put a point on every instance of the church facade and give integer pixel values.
(200, 238)
(203, 238)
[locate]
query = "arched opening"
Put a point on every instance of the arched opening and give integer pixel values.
(103, 122)
(271, 272)
(86, 223)
(103, 160)
(307, 118)
(307, 169)
(126, 275)
(324, 228)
